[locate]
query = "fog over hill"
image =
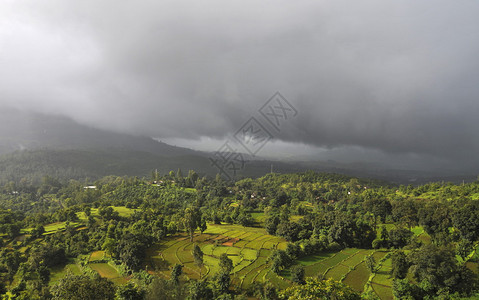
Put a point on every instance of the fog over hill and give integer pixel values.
(36, 144)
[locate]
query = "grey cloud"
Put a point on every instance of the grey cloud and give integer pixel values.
(398, 77)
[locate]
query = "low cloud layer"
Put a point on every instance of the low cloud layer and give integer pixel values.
(399, 77)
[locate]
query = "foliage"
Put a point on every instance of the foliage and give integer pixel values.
(436, 271)
(297, 274)
(400, 265)
(81, 287)
(176, 273)
(226, 264)
(319, 289)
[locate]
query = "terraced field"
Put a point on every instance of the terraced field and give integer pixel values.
(349, 267)
(248, 248)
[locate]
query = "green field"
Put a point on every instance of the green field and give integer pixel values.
(105, 270)
(53, 227)
(349, 267)
(248, 248)
(96, 256)
(358, 277)
(58, 273)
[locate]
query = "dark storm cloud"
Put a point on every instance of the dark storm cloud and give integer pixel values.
(396, 76)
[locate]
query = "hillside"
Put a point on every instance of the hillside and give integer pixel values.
(33, 145)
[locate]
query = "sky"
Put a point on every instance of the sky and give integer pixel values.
(375, 80)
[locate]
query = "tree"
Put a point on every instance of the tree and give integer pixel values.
(44, 274)
(371, 263)
(3, 289)
(464, 248)
(198, 257)
(203, 225)
(405, 211)
(199, 290)
(245, 219)
(38, 231)
(436, 268)
(379, 207)
(130, 291)
(226, 264)
(191, 219)
(271, 224)
(82, 287)
(319, 289)
(403, 289)
(435, 218)
(176, 273)
(131, 251)
(165, 290)
(466, 220)
(400, 265)
(293, 250)
(12, 230)
(222, 282)
(384, 236)
(400, 237)
(297, 274)
(279, 260)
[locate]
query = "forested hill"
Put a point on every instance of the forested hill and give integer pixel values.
(36, 145)
(29, 131)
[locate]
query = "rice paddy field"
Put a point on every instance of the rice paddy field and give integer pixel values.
(249, 249)
(59, 272)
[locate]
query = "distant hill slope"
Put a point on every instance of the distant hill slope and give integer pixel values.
(92, 163)
(97, 162)
(26, 131)
(34, 145)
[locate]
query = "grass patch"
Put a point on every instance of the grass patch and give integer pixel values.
(337, 272)
(220, 250)
(257, 263)
(383, 292)
(58, 273)
(474, 266)
(358, 277)
(212, 264)
(276, 280)
(336, 259)
(54, 227)
(314, 259)
(356, 258)
(249, 254)
(242, 264)
(417, 230)
(250, 277)
(105, 270)
(425, 238)
(316, 269)
(96, 256)
(379, 254)
(382, 278)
